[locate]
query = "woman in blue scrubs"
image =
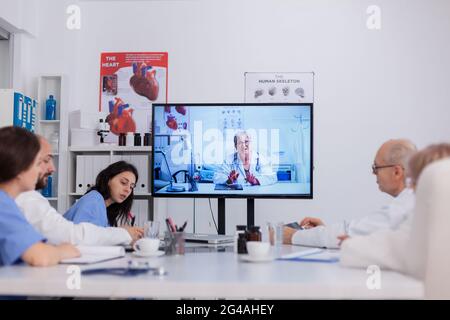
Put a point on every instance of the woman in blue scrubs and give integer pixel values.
(20, 168)
(109, 202)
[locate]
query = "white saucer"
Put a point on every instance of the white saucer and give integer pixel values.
(247, 258)
(151, 254)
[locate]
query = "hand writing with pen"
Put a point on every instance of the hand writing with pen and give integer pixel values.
(135, 232)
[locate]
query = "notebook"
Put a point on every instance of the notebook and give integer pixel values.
(312, 255)
(208, 238)
(94, 254)
(228, 187)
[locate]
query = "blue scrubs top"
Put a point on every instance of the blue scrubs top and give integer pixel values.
(16, 234)
(90, 208)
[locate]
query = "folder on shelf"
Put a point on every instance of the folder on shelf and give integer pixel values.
(79, 175)
(141, 163)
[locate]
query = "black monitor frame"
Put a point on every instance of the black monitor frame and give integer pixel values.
(235, 196)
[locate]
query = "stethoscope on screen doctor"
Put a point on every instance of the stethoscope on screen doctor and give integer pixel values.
(236, 163)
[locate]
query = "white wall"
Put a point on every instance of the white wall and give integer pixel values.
(18, 16)
(370, 85)
(4, 64)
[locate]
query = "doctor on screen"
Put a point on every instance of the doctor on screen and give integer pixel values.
(244, 166)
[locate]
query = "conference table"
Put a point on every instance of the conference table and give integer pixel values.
(209, 273)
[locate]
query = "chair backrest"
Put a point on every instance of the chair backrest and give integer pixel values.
(430, 242)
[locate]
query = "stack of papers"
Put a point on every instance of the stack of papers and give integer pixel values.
(94, 254)
(312, 255)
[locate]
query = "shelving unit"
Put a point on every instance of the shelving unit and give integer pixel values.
(57, 86)
(76, 189)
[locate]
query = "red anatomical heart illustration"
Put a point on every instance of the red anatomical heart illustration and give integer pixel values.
(181, 110)
(172, 122)
(144, 82)
(120, 118)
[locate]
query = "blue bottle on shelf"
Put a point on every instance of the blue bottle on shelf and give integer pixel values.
(47, 191)
(50, 108)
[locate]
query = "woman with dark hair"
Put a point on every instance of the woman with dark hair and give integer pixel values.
(109, 202)
(20, 160)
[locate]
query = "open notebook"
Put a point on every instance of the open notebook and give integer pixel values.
(94, 254)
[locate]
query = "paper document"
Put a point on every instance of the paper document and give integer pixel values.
(313, 255)
(321, 236)
(94, 254)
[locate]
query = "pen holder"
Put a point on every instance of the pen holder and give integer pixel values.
(174, 243)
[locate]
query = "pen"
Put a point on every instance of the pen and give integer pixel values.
(172, 225)
(168, 226)
(183, 226)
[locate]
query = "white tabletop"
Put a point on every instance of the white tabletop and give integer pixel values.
(212, 275)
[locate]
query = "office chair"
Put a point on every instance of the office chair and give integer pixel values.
(430, 238)
(185, 176)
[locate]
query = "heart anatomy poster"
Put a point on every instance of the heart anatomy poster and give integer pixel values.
(130, 82)
(278, 87)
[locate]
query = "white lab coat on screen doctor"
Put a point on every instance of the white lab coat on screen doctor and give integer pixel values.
(259, 167)
(388, 217)
(53, 226)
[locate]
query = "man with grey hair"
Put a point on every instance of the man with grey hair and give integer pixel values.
(389, 168)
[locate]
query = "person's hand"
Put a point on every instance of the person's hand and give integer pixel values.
(135, 232)
(342, 238)
(310, 222)
(232, 177)
(251, 179)
(67, 251)
(287, 234)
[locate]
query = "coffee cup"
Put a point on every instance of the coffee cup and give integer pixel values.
(258, 249)
(146, 245)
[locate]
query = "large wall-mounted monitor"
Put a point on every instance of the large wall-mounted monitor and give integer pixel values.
(233, 150)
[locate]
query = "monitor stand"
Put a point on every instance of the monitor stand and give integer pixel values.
(221, 214)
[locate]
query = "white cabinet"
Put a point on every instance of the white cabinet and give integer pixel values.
(86, 162)
(55, 131)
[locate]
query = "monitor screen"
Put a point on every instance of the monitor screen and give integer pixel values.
(233, 150)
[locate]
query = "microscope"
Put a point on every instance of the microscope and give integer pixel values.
(103, 130)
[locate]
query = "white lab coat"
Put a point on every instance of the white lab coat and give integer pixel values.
(387, 249)
(389, 217)
(53, 226)
(265, 175)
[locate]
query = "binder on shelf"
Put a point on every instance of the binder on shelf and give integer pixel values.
(89, 172)
(98, 164)
(141, 164)
(80, 186)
